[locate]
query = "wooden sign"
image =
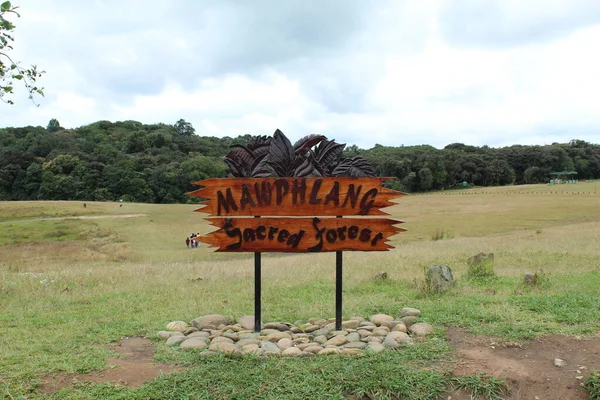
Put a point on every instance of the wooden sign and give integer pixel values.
(301, 235)
(295, 196)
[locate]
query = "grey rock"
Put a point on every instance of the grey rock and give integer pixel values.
(374, 347)
(329, 351)
(246, 322)
(212, 321)
(313, 349)
(245, 342)
(285, 344)
(440, 277)
(225, 348)
(390, 343)
(193, 343)
(269, 346)
(222, 339)
(400, 337)
(559, 362)
(420, 329)
(406, 311)
(381, 276)
(252, 335)
(480, 258)
(400, 328)
(199, 334)
(350, 324)
(291, 352)
(320, 339)
(378, 319)
(353, 337)
(408, 321)
(164, 334)
(319, 332)
(175, 340)
(355, 345)
(337, 341)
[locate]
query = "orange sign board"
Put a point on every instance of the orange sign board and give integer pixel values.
(294, 196)
(301, 235)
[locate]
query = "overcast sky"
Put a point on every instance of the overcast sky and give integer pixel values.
(496, 72)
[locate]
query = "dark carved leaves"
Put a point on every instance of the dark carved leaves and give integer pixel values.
(275, 156)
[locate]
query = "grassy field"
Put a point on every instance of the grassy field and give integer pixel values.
(70, 285)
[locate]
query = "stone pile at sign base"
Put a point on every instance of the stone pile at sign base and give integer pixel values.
(213, 334)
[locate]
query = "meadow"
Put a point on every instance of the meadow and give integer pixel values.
(69, 286)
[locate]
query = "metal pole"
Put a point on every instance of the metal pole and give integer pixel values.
(257, 290)
(338, 289)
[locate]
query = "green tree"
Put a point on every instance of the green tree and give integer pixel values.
(53, 126)
(184, 128)
(10, 70)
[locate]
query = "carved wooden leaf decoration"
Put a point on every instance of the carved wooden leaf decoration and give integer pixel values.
(281, 154)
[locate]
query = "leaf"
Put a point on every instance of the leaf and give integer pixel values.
(19, 77)
(357, 167)
(304, 144)
(327, 155)
(305, 168)
(40, 91)
(233, 167)
(5, 6)
(281, 154)
(261, 168)
(241, 154)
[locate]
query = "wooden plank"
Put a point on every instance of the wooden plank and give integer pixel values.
(301, 235)
(295, 196)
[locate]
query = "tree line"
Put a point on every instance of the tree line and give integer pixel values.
(156, 163)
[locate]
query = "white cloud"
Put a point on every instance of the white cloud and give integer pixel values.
(430, 72)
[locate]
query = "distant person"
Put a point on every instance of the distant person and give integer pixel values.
(187, 242)
(197, 243)
(84, 205)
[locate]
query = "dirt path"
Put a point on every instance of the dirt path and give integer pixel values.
(528, 370)
(74, 217)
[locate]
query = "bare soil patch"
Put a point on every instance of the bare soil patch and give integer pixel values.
(529, 369)
(132, 369)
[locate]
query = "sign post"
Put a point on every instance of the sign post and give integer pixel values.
(297, 215)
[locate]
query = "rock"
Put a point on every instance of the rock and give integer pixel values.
(381, 276)
(193, 343)
(479, 258)
(400, 337)
(408, 321)
(311, 328)
(222, 339)
(375, 339)
(353, 337)
(291, 352)
(295, 329)
(225, 348)
(313, 349)
(190, 330)
(231, 336)
(304, 354)
(246, 322)
(285, 344)
(277, 336)
(377, 319)
(440, 277)
(406, 311)
(284, 327)
(364, 333)
(269, 347)
(329, 351)
(245, 342)
(175, 340)
(199, 334)
(559, 362)
(355, 345)
(320, 322)
(391, 324)
(336, 341)
(366, 324)
(529, 279)
(351, 352)
(271, 325)
(374, 347)
(400, 328)
(320, 339)
(303, 346)
(420, 329)
(253, 335)
(232, 328)
(250, 349)
(178, 326)
(212, 321)
(390, 343)
(321, 331)
(380, 332)
(164, 334)
(350, 324)
(359, 319)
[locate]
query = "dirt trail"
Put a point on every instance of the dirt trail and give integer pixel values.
(529, 370)
(74, 217)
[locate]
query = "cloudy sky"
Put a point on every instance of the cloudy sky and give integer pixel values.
(495, 72)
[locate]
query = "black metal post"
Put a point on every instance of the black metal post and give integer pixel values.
(257, 290)
(338, 289)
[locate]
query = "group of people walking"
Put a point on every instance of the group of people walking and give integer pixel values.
(191, 241)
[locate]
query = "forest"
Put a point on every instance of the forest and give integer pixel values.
(157, 163)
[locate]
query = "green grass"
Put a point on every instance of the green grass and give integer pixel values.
(592, 385)
(70, 287)
(481, 386)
